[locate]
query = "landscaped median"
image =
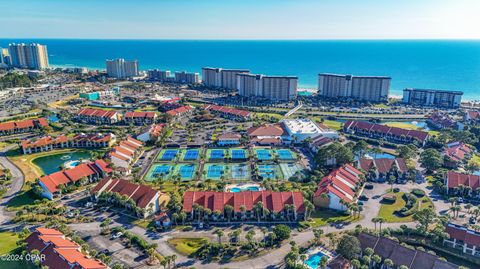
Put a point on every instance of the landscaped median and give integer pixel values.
(400, 206)
(325, 217)
(187, 245)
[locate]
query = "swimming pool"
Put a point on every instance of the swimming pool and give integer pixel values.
(314, 260)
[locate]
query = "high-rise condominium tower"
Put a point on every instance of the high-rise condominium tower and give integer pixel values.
(33, 56)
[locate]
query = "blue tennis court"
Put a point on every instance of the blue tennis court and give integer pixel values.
(240, 171)
(239, 154)
(215, 171)
(186, 171)
(264, 154)
(268, 171)
(191, 154)
(169, 154)
(216, 154)
(285, 154)
(159, 172)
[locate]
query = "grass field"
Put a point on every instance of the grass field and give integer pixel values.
(8, 242)
(335, 125)
(271, 115)
(324, 217)
(186, 245)
(403, 125)
(387, 211)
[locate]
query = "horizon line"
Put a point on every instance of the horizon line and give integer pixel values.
(249, 39)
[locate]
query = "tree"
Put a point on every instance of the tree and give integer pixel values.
(425, 217)
(323, 262)
(355, 264)
(349, 247)
(282, 232)
(334, 154)
(388, 263)
(431, 159)
(219, 233)
(407, 151)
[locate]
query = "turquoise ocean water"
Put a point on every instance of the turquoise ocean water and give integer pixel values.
(440, 64)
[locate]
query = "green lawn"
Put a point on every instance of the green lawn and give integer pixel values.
(187, 245)
(404, 125)
(8, 242)
(324, 217)
(26, 197)
(271, 115)
(387, 211)
(335, 125)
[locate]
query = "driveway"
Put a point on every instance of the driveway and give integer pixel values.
(15, 187)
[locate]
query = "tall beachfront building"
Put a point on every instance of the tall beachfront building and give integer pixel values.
(221, 78)
(119, 68)
(186, 77)
(275, 88)
(432, 98)
(364, 88)
(33, 56)
(158, 75)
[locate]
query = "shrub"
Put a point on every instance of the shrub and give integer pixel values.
(418, 192)
(396, 190)
(389, 198)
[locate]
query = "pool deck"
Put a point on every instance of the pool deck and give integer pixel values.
(242, 186)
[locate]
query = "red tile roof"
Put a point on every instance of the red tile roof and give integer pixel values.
(141, 194)
(455, 179)
(179, 111)
(267, 130)
(228, 110)
(90, 112)
(385, 130)
(335, 183)
(52, 181)
(44, 141)
(138, 114)
(60, 252)
(273, 201)
(383, 165)
(457, 151)
(464, 234)
(24, 124)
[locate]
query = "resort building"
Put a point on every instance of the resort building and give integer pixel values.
(274, 88)
(180, 112)
(59, 251)
(462, 184)
(140, 118)
(80, 174)
(400, 255)
(229, 139)
(159, 75)
(318, 142)
(126, 154)
(391, 134)
(98, 116)
(267, 134)
(120, 69)
(300, 129)
(472, 116)
(221, 78)
(339, 188)
(81, 140)
(186, 77)
(456, 153)
(432, 98)
(32, 56)
(280, 206)
(228, 112)
(145, 198)
(441, 121)
(463, 239)
(24, 126)
(151, 133)
(382, 169)
(363, 88)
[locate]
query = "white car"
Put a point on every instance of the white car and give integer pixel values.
(117, 235)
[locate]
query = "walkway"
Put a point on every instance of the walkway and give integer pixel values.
(293, 110)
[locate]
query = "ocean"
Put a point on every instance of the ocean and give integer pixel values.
(433, 64)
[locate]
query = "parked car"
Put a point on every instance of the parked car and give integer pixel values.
(117, 235)
(369, 186)
(363, 198)
(472, 220)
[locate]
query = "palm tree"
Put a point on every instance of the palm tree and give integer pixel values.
(174, 259)
(151, 255)
(381, 220)
(219, 233)
(323, 262)
(388, 263)
(375, 221)
(309, 207)
(355, 264)
(228, 209)
(376, 260)
(258, 208)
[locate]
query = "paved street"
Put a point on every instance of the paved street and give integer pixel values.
(13, 190)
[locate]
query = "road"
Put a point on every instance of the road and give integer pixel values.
(293, 110)
(15, 187)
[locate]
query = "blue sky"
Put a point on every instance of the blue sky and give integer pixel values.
(241, 19)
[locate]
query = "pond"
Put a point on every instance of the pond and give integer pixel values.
(52, 163)
(382, 155)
